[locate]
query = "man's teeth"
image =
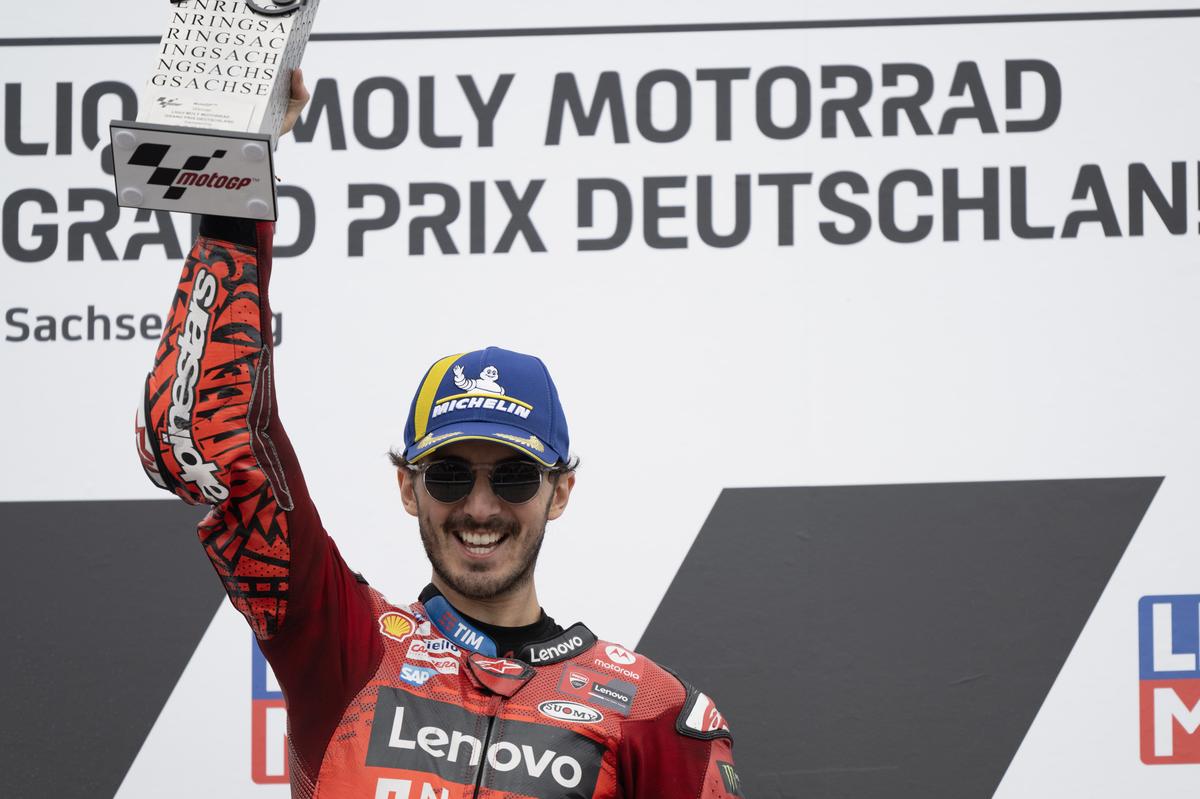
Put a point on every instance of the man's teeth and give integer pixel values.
(479, 543)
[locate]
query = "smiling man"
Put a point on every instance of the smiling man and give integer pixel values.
(471, 691)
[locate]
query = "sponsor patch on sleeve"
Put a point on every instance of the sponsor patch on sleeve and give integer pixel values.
(733, 783)
(700, 718)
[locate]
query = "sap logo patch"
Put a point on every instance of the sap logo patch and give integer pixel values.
(733, 783)
(415, 675)
(1169, 658)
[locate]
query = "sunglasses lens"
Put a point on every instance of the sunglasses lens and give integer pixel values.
(516, 481)
(449, 481)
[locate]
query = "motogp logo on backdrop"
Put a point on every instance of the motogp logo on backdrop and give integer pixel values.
(1169, 655)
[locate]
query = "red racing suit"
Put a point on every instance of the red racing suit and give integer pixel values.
(387, 701)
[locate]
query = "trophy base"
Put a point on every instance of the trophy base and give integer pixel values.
(196, 171)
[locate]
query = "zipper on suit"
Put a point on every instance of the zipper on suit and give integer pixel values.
(483, 749)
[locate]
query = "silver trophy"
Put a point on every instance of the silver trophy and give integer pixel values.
(209, 116)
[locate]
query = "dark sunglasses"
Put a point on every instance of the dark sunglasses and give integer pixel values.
(451, 480)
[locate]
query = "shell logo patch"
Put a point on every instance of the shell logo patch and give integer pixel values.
(397, 626)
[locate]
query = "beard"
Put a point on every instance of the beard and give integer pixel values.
(482, 581)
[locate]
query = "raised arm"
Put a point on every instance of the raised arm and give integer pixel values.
(209, 431)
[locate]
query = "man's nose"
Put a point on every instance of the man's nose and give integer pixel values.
(482, 502)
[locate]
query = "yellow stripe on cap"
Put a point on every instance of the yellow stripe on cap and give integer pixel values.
(428, 392)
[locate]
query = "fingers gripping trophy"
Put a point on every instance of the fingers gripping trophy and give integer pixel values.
(213, 108)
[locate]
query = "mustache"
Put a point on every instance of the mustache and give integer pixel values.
(464, 522)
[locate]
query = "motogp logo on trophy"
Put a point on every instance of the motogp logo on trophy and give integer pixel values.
(190, 174)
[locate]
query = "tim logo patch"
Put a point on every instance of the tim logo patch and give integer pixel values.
(1169, 656)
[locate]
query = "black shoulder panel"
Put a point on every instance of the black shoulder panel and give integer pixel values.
(699, 717)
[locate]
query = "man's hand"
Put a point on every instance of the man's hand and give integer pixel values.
(296, 103)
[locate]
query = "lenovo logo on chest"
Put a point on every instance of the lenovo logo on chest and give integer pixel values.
(458, 746)
(416, 734)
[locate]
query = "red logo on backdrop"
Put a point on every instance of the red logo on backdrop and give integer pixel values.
(1170, 720)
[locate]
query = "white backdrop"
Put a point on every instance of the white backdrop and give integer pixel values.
(761, 364)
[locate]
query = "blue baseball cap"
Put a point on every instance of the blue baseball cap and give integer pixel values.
(492, 394)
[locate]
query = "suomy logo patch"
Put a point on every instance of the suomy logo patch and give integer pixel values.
(570, 711)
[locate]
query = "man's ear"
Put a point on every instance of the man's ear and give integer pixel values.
(407, 479)
(561, 495)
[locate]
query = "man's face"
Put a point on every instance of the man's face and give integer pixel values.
(481, 546)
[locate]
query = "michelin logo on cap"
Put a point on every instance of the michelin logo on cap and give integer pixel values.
(484, 384)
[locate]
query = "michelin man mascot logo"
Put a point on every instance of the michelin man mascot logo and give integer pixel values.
(486, 382)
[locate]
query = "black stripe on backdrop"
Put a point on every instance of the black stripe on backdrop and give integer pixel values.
(893, 641)
(692, 27)
(104, 603)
